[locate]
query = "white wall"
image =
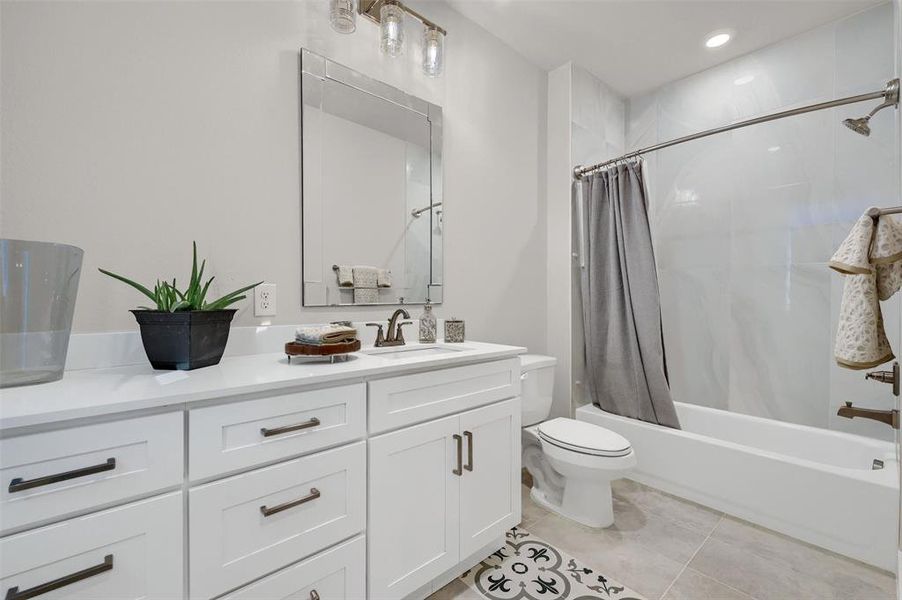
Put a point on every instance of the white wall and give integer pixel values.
(560, 290)
(744, 222)
(129, 129)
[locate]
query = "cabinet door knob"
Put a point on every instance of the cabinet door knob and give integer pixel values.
(469, 436)
(460, 455)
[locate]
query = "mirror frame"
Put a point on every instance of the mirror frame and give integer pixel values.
(324, 69)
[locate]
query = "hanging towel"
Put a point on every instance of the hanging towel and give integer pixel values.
(871, 259)
(366, 295)
(345, 275)
(364, 277)
(383, 278)
(318, 335)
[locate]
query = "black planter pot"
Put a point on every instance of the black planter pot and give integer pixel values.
(184, 340)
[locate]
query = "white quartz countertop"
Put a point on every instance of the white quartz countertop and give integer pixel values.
(99, 392)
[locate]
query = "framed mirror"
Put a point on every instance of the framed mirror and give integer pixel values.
(371, 190)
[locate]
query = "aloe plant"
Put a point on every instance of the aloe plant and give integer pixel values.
(167, 297)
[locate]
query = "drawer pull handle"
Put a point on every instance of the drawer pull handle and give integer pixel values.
(313, 495)
(469, 436)
(460, 455)
(314, 595)
(289, 428)
(18, 484)
(38, 590)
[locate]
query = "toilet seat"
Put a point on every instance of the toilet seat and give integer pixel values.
(583, 438)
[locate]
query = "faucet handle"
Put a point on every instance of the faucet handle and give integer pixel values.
(380, 336)
(400, 336)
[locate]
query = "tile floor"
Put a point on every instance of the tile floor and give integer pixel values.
(668, 548)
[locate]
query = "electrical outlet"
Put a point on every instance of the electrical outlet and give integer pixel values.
(265, 300)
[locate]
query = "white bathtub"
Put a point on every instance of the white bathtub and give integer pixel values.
(812, 484)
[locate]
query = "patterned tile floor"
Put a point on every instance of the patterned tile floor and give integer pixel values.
(667, 548)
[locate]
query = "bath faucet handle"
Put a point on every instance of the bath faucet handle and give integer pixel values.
(400, 335)
(380, 336)
(890, 377)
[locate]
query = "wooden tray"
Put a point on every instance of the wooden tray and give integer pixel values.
(297, 349)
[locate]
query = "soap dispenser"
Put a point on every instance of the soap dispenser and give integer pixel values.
(427, 325)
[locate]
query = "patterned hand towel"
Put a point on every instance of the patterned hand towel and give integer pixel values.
(365, 277)
(871, 259)
(383, 278)
(318, 335)
(345, 275)
(366, 295)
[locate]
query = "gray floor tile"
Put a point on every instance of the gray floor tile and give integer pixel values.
(630, 562)
(682, 512)
(532, 512)
(848, 577)
(692, 585)
(456, 590)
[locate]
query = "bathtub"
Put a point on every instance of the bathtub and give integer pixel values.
(812, 484)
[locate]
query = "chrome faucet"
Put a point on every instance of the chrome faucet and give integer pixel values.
(395, 335)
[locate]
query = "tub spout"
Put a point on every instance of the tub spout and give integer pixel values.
(890, 417)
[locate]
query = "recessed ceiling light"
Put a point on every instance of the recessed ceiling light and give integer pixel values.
(774, 149)
(717, 39)
(744, 80)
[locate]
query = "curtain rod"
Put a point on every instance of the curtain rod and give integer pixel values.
(890, 94)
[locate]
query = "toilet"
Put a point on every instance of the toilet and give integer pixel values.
(572, 462)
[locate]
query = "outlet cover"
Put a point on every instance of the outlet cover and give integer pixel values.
(265, 300)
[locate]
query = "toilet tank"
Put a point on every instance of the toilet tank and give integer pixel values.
(536, 385)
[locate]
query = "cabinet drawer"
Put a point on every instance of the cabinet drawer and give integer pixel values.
(251, 524)
(336, 574)
(231, 437)
(55, 473)
(130, 552)
(400, 401)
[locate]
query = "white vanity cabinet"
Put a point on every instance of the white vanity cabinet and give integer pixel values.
(375, 478)
(438, 492)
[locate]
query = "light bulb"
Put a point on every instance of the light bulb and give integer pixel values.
(343, 15)
(433, 51)
(392, 24)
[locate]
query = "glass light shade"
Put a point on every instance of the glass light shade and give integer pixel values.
(343, 15)
(433, 52)
(392, 25)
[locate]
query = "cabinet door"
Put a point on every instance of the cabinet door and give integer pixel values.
(412, 534)
(489, 488)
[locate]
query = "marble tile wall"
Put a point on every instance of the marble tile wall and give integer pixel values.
(744, 222)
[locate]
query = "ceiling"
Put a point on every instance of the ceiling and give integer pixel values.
(638, 45)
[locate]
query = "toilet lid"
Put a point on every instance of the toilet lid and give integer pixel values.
(583, 437)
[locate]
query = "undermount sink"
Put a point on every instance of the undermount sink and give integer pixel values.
(398, 352)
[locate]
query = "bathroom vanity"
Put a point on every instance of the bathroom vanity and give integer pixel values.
(382, 477)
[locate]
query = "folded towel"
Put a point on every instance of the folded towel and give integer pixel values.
(871, 259)
(319, 335)
(383, 278)
(365, 277)
(366, 295)
(345, 275)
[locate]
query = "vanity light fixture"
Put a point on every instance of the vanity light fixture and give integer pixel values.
(391, 26)
(389, 15)
(343, 15)
(717, 39)
(433, 42)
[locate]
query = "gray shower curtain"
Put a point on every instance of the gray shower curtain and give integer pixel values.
(625, 366)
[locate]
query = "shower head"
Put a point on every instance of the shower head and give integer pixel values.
(890, 98)
(859, 125)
